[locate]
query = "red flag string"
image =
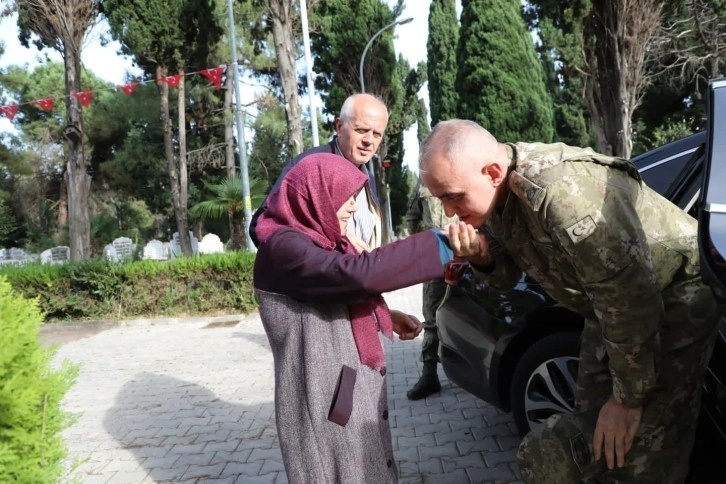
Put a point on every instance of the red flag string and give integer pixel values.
(46, 104)
(84, 97)
(9, 111)
(214, 74)
(128, 88)
(173, 81)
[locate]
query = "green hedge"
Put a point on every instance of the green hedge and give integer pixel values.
(98, 289)
(31, 420)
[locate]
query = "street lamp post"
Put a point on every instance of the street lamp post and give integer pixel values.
(310, 75)
(370, 42)
(380, 178)
(241, 145)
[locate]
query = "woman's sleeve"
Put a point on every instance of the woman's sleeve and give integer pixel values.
(295, 266)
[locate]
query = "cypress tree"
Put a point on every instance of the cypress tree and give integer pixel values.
(499, 79)
(441, 64)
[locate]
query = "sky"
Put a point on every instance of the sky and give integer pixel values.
(105, 62)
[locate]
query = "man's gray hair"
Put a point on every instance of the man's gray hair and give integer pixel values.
(346, 111)
(451, 139)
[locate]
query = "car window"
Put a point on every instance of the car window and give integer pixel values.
(668, 167)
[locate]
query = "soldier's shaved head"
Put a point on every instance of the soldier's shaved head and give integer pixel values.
(456, 140)
(464, 166)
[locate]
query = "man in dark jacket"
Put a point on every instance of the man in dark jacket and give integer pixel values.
(359, 132)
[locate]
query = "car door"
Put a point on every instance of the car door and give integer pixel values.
(712, 214)
(712, 246)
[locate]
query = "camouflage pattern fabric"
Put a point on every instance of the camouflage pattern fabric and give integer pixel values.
(609, 248)
(425, 212)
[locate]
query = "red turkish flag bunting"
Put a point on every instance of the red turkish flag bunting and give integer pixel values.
(9, 111)
(173, 81)
(214, 75)
(46, 103)
(84, 97)
(128, 88)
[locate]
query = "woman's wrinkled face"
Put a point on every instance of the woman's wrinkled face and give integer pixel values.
(345, 212)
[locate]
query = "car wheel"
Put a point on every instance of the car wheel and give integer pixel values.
(543, 383)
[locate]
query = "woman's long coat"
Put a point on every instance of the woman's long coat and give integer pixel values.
(303, 292)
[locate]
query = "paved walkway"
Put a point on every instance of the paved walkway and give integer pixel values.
(191, 401)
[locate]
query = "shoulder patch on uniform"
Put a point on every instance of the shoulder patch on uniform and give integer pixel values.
(581, 229)
(526, 190)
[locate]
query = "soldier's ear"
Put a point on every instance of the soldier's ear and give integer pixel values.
(495, 172)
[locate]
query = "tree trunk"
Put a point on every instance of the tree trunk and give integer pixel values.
(620, 34)
(79, 181)
(282, 32)
(181, 219)
(238, 239)
(229, 140)
(63, 208)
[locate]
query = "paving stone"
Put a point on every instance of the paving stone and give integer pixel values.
(457, 476)
(468, 461)
(204, 471)
(493, 459)
(488, 444)
(247, 469)
(490, 474)
(128, 477)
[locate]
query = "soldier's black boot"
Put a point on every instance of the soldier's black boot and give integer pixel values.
(427, 384)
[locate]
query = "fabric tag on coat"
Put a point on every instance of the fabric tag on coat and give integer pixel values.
(581, 229)
(581, 455)
(342, 405)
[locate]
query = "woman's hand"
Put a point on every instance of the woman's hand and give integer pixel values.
(359, 245)
(467, 243)
(405, 326)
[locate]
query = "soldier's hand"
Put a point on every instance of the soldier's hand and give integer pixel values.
(405, 325)
(615, 431)
(469, 244)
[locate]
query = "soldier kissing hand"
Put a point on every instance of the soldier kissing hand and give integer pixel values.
(467, 243)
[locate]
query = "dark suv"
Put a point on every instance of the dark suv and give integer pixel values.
(518, 349)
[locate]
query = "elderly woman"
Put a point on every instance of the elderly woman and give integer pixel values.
(321, 307)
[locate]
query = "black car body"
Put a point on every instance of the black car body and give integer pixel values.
(518, 349)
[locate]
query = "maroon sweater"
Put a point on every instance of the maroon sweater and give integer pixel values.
(290, 263)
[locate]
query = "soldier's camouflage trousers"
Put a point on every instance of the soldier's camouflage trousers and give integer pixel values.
(433, 294)
(560, 450)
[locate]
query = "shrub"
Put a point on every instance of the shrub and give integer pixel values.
(98, 289)
(31, 419)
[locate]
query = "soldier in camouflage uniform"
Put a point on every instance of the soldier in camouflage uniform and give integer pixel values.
(606, 246)
(426, 212)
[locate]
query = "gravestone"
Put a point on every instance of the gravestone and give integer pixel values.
(55, 255)
(16, 253)
(211, 244)
(176, 250)
(109, 251)
(155, 250)
(124, 248)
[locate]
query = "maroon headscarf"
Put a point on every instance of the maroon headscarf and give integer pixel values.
(308, 199)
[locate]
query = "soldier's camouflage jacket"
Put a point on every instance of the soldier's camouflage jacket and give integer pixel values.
(425, 211)
(602, 244)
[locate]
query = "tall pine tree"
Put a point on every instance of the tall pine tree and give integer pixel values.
(500, 80)
(441, 63)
